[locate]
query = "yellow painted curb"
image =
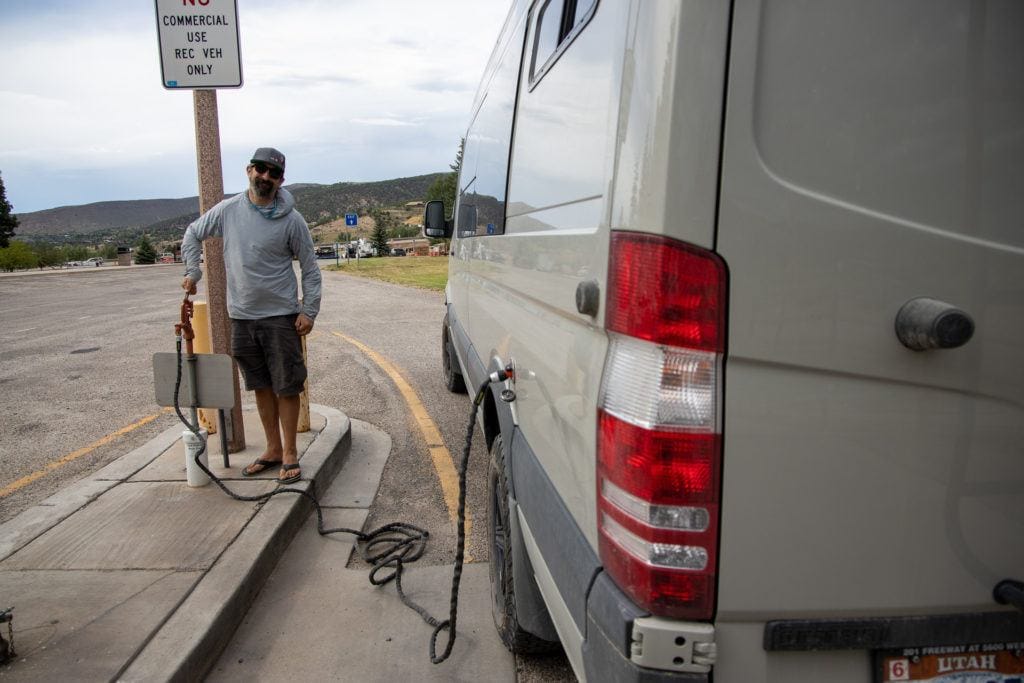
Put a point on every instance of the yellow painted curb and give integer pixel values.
(439, 453)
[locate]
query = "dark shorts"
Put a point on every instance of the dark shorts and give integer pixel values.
(269, 354)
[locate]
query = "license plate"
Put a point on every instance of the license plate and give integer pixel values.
(989, 663)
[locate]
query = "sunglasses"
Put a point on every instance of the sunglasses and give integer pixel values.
(275, 172)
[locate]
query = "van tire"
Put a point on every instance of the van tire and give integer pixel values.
(503, 596)
(449, 363)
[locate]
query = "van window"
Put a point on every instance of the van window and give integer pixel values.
(583, 8)
(549, 29)
(484, 177)
(558, 22)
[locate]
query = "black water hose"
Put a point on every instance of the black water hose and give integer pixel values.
(389, 546)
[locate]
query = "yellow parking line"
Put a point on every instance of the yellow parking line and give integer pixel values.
(28, 479)
(442, 458)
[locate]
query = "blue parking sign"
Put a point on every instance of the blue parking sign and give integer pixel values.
(351, 219)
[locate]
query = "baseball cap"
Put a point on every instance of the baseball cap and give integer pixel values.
(268, 155)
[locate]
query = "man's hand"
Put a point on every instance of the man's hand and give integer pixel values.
(303, 324)
(188, 285)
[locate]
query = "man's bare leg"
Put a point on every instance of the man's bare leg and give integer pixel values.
(280, 418)
(288, 411)
(266, 405)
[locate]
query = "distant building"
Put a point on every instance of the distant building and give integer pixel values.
(413, 246)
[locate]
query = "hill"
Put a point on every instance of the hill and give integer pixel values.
(88, 218)
(165, 219)
(324, 203)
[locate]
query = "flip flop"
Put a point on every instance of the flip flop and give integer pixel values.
(289, 468)
(263, 465)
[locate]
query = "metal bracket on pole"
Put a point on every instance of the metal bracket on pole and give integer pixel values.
(223, 429)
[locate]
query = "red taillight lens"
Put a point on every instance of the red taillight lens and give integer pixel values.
(667, 593)
(667, 292)
(658, 516)
(659, 446)
(661, 467)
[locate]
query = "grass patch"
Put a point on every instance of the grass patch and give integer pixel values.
(425, 272)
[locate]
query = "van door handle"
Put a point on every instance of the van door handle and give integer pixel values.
(588, 297)
(924, 323)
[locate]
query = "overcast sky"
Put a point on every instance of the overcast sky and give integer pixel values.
(349, 90)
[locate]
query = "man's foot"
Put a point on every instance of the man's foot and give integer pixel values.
(289, 473)
(258, 466)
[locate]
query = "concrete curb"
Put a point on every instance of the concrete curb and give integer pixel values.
(188, 643)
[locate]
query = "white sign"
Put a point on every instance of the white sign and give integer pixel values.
(199, 43)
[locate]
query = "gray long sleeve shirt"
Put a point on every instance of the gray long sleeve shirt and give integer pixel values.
(258, 255)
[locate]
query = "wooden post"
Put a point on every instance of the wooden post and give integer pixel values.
(304, 396)
(211, 191)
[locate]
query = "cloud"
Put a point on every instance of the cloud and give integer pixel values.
(285, 80)
(445, 85)
(382, 122)
(348, 90)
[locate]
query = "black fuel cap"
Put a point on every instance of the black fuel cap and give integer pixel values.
(924, 323)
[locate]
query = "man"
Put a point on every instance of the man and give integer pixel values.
(262, 231)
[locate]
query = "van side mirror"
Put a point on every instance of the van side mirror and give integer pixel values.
(434, 223)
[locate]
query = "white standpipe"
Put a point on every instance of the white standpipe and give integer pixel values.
(195, 476)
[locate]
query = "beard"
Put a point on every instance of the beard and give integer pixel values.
(264, 189)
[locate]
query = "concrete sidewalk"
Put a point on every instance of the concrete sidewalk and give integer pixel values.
(130, 574)
(315, 620)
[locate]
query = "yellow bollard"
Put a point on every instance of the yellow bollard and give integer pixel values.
(201, 344)
(304, 396)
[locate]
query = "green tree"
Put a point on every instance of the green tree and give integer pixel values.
(384, 218)
(8, 221)
(379, 239)
(75, 252)
(444, 188)
(48, 255)
(16, 256)
(144, 251)
(403, 230)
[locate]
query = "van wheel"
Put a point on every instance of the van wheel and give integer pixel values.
(449, 364)
(503, 597)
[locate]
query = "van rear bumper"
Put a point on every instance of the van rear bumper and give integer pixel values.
(606, 649)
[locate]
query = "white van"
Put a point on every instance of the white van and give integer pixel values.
(757, 268)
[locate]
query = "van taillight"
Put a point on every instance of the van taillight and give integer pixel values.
(659, 441)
